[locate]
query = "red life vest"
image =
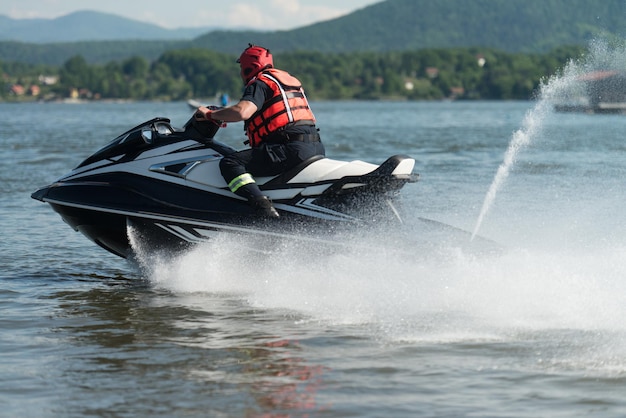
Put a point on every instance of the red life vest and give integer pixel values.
(288, 105)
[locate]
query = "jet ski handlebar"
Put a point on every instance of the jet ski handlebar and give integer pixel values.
(202, 130)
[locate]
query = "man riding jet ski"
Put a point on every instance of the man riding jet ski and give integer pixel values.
(279, 124)
(175, 187)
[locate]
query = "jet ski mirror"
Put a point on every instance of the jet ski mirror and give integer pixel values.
(146, 135)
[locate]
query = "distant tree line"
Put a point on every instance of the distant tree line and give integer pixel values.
(464, 73)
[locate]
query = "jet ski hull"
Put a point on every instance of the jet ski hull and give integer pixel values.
(107, 215)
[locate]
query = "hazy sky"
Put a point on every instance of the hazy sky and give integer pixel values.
(260, 14)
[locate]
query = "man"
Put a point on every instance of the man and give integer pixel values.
(278, 122)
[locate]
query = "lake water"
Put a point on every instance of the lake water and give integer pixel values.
(424, 327)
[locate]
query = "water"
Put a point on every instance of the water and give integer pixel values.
(404, 322)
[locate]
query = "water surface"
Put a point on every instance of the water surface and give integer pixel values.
(404, 321)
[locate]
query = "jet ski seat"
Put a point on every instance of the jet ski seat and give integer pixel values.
(318, 168)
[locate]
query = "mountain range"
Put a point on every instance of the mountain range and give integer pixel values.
(527, 26)
(89, 26)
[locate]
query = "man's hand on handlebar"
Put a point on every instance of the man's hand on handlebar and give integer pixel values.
(203, 114)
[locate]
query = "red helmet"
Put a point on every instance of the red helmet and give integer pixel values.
(253, 60)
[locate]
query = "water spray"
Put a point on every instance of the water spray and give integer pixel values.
(554, 89)
(521, 138)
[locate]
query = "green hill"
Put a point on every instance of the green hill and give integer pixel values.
(529, 26)
(394, 25)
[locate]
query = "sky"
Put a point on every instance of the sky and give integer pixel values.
(171, 14)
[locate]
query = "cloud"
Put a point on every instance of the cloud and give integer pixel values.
(280, 14)
(289, 6)
(246, 14)
(268, 15)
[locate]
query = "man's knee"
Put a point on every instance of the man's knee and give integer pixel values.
(231, 168)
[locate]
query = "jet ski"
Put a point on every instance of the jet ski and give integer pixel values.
(164, 184)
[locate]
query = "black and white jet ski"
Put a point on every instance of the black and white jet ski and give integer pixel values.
(165, 184)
